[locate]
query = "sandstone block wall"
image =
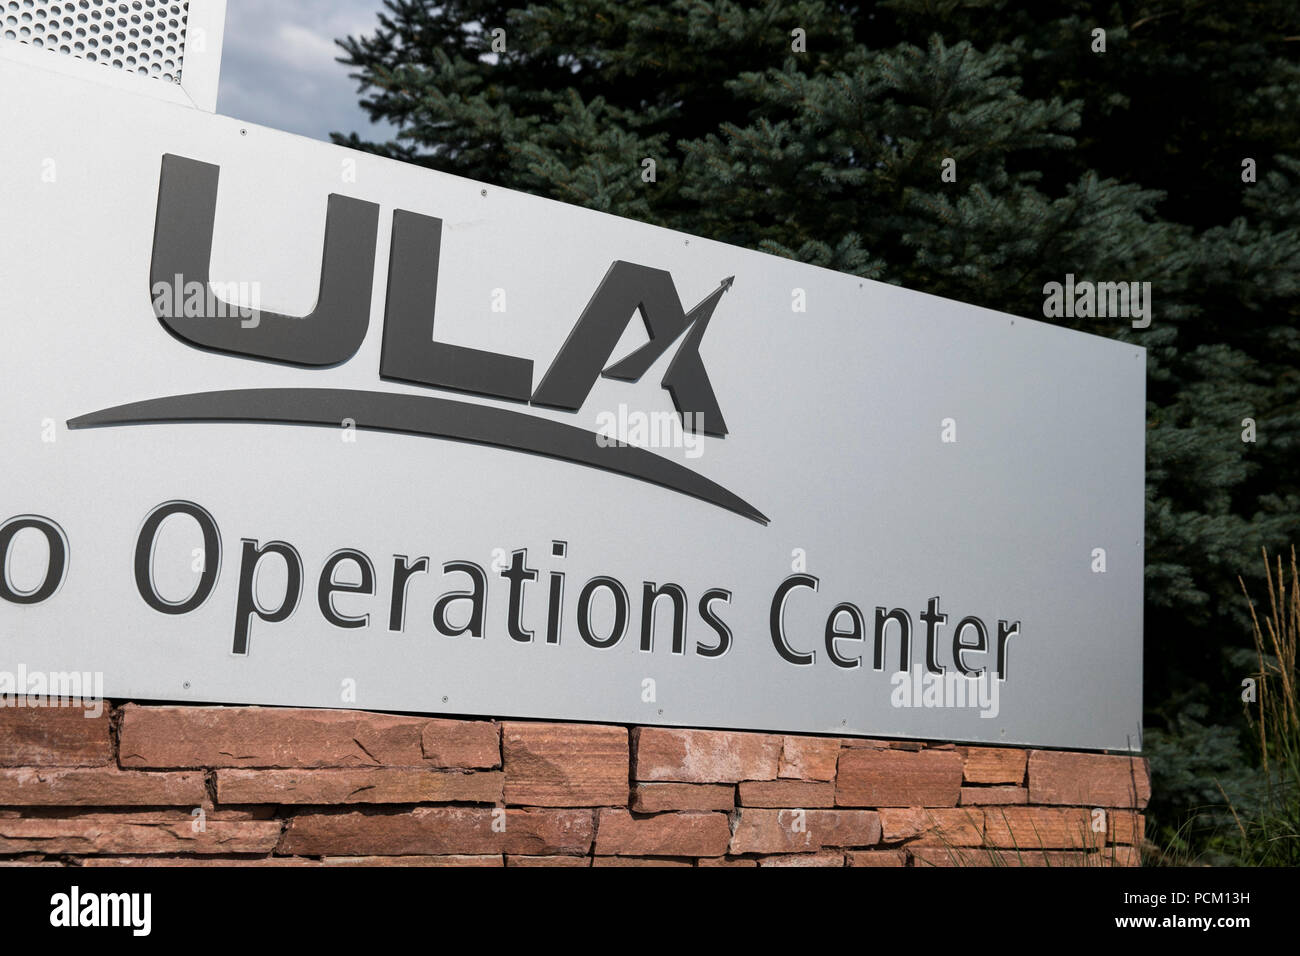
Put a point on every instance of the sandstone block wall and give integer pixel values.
(193, 785)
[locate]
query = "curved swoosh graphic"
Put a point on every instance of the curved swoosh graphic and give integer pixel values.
(422, 415)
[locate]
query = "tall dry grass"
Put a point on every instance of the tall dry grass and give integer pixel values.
(1268, 833)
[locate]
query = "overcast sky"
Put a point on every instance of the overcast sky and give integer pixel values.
(278, 67)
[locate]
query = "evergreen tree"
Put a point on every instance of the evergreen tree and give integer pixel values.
(821, 130)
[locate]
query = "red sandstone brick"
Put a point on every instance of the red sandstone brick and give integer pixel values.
(263, 812)
(1057, 828)
(362, 785)
(536, 861)
(896, 778)
(26, 861)
(461, 744)
(1088, 780)
(993, 765)
(705, 756)
(943, 825)
(565, 765)
(787, 793)
(690, 833)
(993, 796)
(1118, 856)
(981, 856)
(657, 797)
(221, 861)
(876, 858)
(100, 786)
(822, 858)
(936, 856)
(725, 861)
(296, 861)
(451, 859)
(438, 831)
(267, 737)
(137, 832)
(803, 831)
(636, 861)
(1125, 826)
(53, 737)
(809, 758)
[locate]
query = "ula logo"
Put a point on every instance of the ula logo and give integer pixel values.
(331, 334)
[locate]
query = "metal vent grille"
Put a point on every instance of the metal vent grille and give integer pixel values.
(140, 36)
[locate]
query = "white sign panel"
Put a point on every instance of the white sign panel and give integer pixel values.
(289, 424)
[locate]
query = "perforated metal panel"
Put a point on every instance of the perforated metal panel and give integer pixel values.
(146, 37)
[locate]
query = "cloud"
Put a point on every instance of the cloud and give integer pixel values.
(279, 69)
